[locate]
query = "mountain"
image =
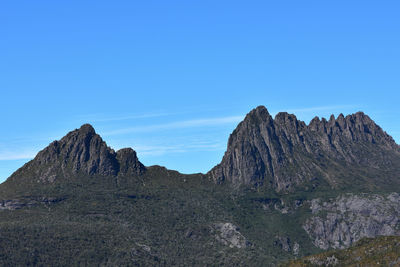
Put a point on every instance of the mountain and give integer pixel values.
(283, 190)
(283, 152)
(80, 152)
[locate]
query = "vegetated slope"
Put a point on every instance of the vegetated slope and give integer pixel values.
(158, 218)
(381, 251)
(80, 202)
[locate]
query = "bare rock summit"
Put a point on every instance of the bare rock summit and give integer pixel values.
(284, 152)
(80, 152)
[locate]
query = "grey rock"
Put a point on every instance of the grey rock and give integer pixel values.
(228, 234)
(283, 243)
(144, 247)
(340, 222)
(328, 261)
(140, 250)
(286, 244)
(15, 204)
(296, 249)
(81, 151)
(284, 152)
(281, 207)
(129, 163)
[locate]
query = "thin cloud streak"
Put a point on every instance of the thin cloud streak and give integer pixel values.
(157, 150)
(17, 156)
(131, 117)
(177, 125)
(155, 114)
(213, 121)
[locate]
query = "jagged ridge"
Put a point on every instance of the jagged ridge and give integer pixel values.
(284, 152)
(279, 153)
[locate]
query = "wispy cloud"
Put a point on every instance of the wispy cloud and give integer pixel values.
(177, 125)
(102, 118)
(99, 117)
(157, 150)
(16, 156)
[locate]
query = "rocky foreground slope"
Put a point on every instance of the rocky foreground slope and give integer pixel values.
(340, 222)
(283, 190)
(382, 251)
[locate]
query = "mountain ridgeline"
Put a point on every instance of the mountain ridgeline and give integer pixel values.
(283, 190)
(279, 153)
(284, 152)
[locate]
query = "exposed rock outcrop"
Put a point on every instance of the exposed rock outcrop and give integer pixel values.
(286, 244)
(81, 151)
(129, 163)
(15, 204)
(342, 221)
(228, 234)
(284, 152)
(328, 261)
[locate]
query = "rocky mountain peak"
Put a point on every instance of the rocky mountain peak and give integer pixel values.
(81, 151)
(332, 119)
(129, 163)
(86, 129)
(284, 116)
(284, 152)
(260, 111)
(315, 124)
(256, 117)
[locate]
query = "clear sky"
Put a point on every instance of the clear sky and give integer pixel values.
(172, 79)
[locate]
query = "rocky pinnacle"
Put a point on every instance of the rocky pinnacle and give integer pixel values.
(283, 152)
(81, 151)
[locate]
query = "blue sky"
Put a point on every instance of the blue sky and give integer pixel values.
(172, 79)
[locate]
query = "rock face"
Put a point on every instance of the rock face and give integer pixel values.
(287, 245)
(284, 152)
(129, 163)
(81, 151)
(328, 261)
(344, 220)
(15, 204)
(228, 234)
